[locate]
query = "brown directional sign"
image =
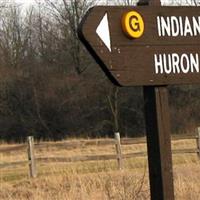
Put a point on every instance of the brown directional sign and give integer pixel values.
(144, 45)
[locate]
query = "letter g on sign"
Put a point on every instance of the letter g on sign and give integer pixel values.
(133, 24)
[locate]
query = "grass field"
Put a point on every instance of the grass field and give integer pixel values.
(94, 180)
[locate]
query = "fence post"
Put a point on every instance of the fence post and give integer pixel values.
(118, 151)
(31, 157)
(198, 142)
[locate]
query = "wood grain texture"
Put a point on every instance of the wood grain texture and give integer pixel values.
(159, 142)
(118, 151)
(69, 145)
(131, 61)
(31, 157)
(91, 158)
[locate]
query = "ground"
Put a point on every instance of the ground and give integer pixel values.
(99, 180)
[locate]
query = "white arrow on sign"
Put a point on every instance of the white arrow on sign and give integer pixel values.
(103, 31)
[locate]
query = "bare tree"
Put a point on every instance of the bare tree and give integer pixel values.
(126, 2)
(180, 2)
(113, 100)
(69, 14)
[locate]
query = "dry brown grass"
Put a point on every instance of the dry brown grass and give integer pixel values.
(95, 180)
(73, 186)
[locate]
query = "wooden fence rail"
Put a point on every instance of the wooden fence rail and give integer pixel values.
(91, 157)
(74, 144)
(69, 145)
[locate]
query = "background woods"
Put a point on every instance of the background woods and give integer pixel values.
(52, 89)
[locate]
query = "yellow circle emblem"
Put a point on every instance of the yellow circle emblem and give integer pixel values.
(133, 24)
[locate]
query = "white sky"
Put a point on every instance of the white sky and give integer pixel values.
(26, 3)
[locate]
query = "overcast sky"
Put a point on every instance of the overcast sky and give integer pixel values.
(25, 2)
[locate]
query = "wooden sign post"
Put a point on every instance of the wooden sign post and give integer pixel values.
(158, 142)
(150, 46)
(158, 139)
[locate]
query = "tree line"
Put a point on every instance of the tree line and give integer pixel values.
(51, 88)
